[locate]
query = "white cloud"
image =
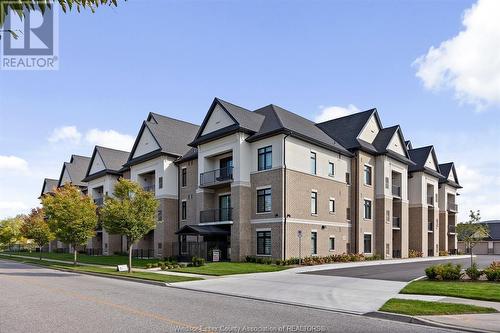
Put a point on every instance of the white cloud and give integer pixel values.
(110, 138)
(65, 134)
(332, 112)
(12, 208)
(13, 163)
(469, 63)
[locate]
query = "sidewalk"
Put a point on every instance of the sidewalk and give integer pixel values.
(479, 322)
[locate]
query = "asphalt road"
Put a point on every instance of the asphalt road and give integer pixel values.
(34, 299)
(399, 272)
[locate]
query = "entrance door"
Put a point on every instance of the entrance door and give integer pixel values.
(225, 207)
(226, 168)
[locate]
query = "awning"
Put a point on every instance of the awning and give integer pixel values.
(202, 230)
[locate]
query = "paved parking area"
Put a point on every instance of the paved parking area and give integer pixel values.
(403, 272)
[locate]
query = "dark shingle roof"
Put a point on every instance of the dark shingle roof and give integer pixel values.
(445, 170)
(383, 138)
(419, 157)
(204, 230)
(77, 168)
(48, 185)
(494, 229)
(192, 154)
(113, 159)
(278, 119)
(245, 118)
(345, 130)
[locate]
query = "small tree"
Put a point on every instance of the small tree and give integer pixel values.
(36, 228)
(472, 232)
(71, 216)
(10, 232)
(131, 212)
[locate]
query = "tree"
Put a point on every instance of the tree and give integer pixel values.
(10, 232)
(131, 213)
(36, 228)
(21, 6)
(71, 216)
(472, 232)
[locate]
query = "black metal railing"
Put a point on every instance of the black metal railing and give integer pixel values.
(430, 253)
(452, 207)
(396, 190)
(217, 176)
(452, 229)
(99, 201)
(143, 253)
(396, 253)
(149, 188)
(396, 222)
(216, 215)
(430, 226)
(94, 252)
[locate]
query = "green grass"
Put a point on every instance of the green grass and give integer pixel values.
(93, 260)
(424, 308)
(480, 290)
(228, 268)
(102, 270)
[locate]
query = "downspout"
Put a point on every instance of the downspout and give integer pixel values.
(178, 209)
(284, 212)
(355, 188)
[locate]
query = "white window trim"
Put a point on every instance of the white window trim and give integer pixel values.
(317, 206)
(263, 187)
(184, 168)
(329, 243)
(316, 231)
(257, 201)
(371, 206)
(334, 206)
(333, 174)
(315, 162)
(184, 200)
(371, 249)
(222, 194)
(371, 175)
(263, 229)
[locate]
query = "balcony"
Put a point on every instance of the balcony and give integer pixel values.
(99, 201)
(216, 177)
(452, 229)
(149, 188)
(452, 207)
(396, 223)
(430, 201)
(216, 215)
(430, 226)
(396, 191)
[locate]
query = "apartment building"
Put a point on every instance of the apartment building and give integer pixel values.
(160, 142)
(49, 185)
(273, 184)
(104, 170)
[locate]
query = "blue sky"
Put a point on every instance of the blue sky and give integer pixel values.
(174, 57)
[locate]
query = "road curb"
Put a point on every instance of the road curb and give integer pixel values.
(419, 321)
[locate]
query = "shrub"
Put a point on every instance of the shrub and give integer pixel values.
(250, 259)
(148, 266)
(163, 266)
(447, 272)
(473, 272)
(443, 253)
(493, 271)
(374, 257)
(197, 261)
(431, 272)
(414, 254)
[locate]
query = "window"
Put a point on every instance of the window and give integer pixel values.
(314, 242)
(332, 243)
(184, 177)
(388, 215)
(314, 202)
(331, 169)
(264, 200)
(348, 178)
(367, 243)
(160, 182)
(368, 209)
(331, 206)
(387, 182)
(160, 215)
(265, 158)
(159, 246)
(368, 175)
(348, 213)
(184, 244)
(264, 243)
(184, 210)
(313, 163)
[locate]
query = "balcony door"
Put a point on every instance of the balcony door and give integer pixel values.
(226, 168)
(225, 207)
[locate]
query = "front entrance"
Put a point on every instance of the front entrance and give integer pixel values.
(201, 241)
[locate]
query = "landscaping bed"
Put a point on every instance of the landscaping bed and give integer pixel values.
(229, 268)
(425, 308)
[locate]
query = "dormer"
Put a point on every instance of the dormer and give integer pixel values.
(371, 128)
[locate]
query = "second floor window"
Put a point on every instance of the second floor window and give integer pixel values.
(184, 177)
(331, 169)
(331, 206)
(348, 178)
(313, 163)
(184, 210)
(160, 215)
(368, 209)
(368, 175)
(160, 182)
(314, 202)
(264, 200)
(265, 158)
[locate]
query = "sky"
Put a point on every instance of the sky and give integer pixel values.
(433, 67)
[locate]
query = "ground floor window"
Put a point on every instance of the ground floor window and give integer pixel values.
(314, 242)
(368, 243)
(264, 243)
(184, 244)
(332, 243)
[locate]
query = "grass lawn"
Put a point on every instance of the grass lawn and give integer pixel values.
(94, 260)
(423, 308)
(228, 268)
(485, 291)
(103, 270)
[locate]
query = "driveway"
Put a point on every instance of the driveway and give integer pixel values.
(403, 272)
